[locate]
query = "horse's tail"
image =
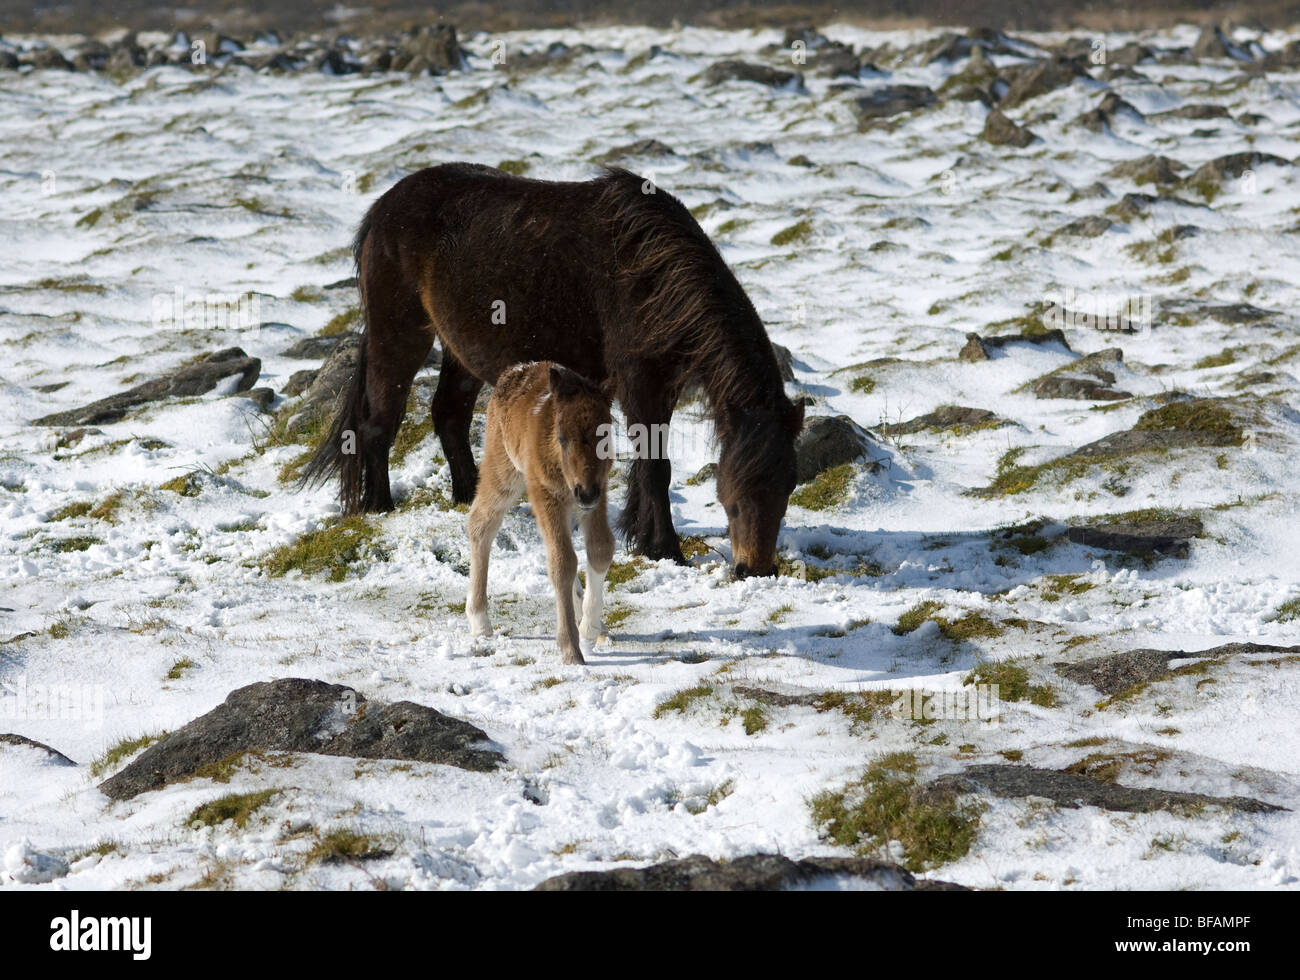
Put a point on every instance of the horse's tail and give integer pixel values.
(339, 452)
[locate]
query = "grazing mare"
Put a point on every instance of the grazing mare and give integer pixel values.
(545, 427)
(611, 277)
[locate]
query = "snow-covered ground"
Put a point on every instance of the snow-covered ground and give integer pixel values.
(917, 231)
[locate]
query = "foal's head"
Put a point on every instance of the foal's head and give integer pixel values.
(582, 420)
(756, 474)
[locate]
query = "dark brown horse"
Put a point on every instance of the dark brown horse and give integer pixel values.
(611, 277)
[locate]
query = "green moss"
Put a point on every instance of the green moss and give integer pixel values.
(333, 549)
(862, 385)
(516, 167)
(828, 489)
(70, 511)
(616, 616)
(342, 322)
(1055, 586)
(179, 667)
(1106, 767)
(307, 294)
(1198, 415)
(683, 699)
(883, 806)
(1012, 679)
(797, 232)
(119, 752)
(915, 617)
(347, 846)
(187, 485)
(622, 572)
(755, 719)
(1288, 611)
(235, 807)
(695, 547)
(1221, 359)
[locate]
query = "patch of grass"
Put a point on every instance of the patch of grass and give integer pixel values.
(755, 719)
(798, 232)
(345, 845)
(103, 849)
(415, 428)
(914, 618)
(1288, 611)
(1106, 767)
(307, 294)
(779, 613)
(82, 542)
(332, 549)
(1013, 684)
(342, 322)
(70, 511)
(828, 489)
(883, 806)
(1055, 586)
(859, 707)
(968, 627)
(179, 668)
(683, 699)
(235, 807)
(117, 753)
(1198, 415)
(616, 616)
(622, 572)
(1221, 359)
(1012, 755)
(862, 385)
(516, 167)
(187, 485)
(106, 510)
(694, 547)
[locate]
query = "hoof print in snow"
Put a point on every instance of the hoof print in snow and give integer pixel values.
(195, 378)
(299, 715)
(54, 756)
(827, 441)
(751, 873)
(1119, 672)
(1071, 790)
(1169, 537)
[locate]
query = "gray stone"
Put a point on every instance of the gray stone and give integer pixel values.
(1117, 672)
(433, 49)
(784, 362)
(1001, 131)
(892, 100)
(1078, 388)
(1103, 116)
(751, 873)
(299, 715)
(1072, 790)
(55, 757)
(326, 387)
(826, 441)
(1232, 166)
(195, 378)
(1167, 537)
(945, 417)
(1150, 169)
(744, 71)
(1038, 78)
(314, 348)
(1089, 227)
(979, 348)
(641, 148)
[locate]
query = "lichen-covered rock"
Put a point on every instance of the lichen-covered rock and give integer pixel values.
(826, 441)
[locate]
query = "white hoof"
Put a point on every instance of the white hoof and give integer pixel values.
(479, 625)
(591, 631)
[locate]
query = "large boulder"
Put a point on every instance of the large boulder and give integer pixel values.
(1001, 131)
(745, 71)
(826, 441)
(751, 873)
(195, 378)
(326, 386)
(299, 715)
(1117, 672)
(892, 100)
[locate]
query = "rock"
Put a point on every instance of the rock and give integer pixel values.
(262, 397)
(1150, 169)
(784, 362)
(978, 348)
(299, 715)
(1089, 227)
(1130, 54)
(1117, 672)
(1072, 790)
(433, 49)
(1001, 131)
(1082, 389)
(335, 61)
(195, 378)
(1196, 110)
(1213, 43)
(641, 148)
(314, 348)
(43, 58)
(751, 873)
(1232, 166)
(55, 757)
(744, 71)
(1133, 206)
(892, 100)
(1239, 313)
(1103, 116)
(1170, 537)
(835, 59)
(299, 382)
(945, 417)
(327, 384)
(826, 441)
(1030, 81)
(707, 472)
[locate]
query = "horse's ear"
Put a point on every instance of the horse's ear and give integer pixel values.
(794, 422)
(561, 382)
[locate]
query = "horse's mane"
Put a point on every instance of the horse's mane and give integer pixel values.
(688, 300)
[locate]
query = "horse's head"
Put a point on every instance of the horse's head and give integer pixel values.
(756, 474)
(582, 419)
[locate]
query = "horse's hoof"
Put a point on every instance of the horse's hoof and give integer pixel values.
(574, 659)
(588, 632)
(479, 624)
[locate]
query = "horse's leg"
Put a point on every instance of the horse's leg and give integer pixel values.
(599, 541)
(647, 518)
(554, 519)
(397, 340)
(452, 409)
(499, 488)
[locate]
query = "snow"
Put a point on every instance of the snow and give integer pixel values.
(242, 184)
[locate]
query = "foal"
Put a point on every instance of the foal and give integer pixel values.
(543, 431)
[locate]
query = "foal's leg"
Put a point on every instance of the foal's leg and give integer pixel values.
(452, 410)
(600, 553)
(498, 490)
(554, 518)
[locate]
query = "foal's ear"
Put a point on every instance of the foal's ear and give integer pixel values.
(794, 421)
(562, 382)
